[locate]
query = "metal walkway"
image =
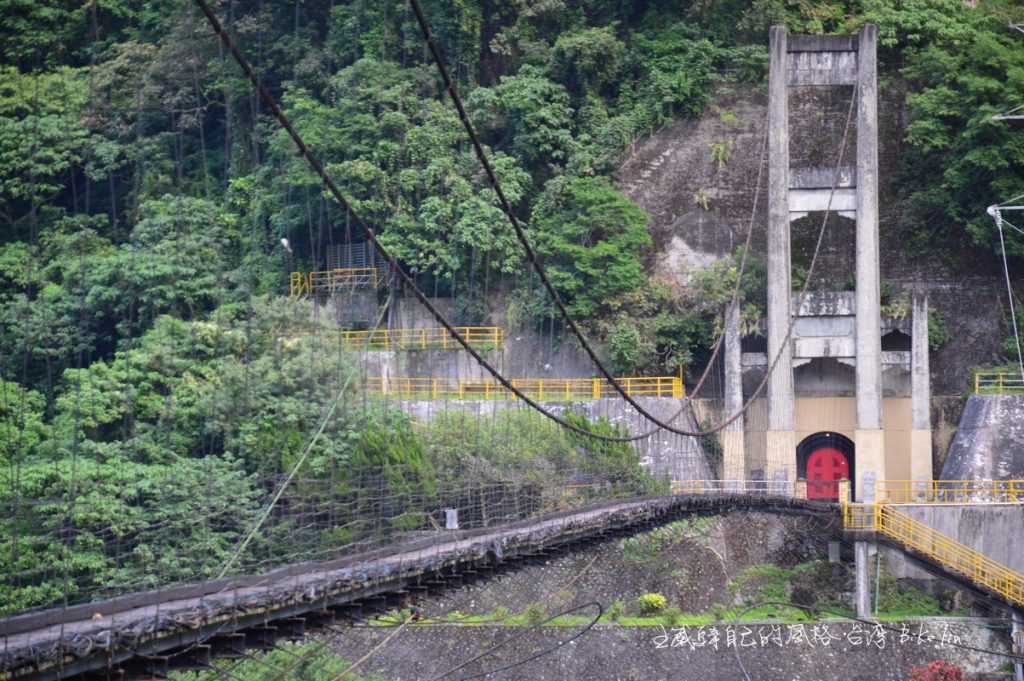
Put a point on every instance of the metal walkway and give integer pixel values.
(149, 633)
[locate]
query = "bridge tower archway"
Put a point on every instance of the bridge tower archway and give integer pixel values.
(823, 459)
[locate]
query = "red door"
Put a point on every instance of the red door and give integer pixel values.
(825, 467)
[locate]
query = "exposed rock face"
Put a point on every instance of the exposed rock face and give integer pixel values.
(675, 173)
(699, 200)
(989, 444)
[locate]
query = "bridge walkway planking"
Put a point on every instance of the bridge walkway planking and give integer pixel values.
(61, 644)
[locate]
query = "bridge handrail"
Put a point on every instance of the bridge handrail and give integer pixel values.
(944, 550)
(950, 491)
(785, 488)
(998, 383)
(549, 389)
(428, 338)
(307, 283)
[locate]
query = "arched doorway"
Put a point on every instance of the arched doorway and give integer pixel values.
(823, 459)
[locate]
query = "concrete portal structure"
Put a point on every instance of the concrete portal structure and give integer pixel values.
(838, 368)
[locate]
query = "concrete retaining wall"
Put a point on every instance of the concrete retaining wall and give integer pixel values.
(995, 530)
(768, 652)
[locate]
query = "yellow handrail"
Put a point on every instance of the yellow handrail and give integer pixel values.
(434, 338)
(950, 491)
(329, 281)
(998, 383)
(946, 551)
(549, 389)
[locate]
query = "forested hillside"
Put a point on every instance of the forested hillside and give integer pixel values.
(145, 333)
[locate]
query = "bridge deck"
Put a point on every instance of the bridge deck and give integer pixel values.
(61, 643)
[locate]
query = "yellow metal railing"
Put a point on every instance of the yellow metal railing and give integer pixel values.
(547, 389)
(950, 491)
(329, 281)
(483, 337)
(998, 383)
(948, 552)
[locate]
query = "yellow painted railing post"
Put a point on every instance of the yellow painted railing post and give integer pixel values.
(596, 388)
(977, 384)
(800, 489)
(844, 491)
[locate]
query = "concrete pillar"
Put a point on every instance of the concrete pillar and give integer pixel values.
(868, 438)
(733, 450)
(920, 394)
(1017, 644)
(781, 445)
(862, 569)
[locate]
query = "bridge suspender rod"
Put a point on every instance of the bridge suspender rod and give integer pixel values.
(371, 235)
(553, 294)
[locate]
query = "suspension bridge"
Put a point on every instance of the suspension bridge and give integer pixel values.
(316, 552)
(184, 626)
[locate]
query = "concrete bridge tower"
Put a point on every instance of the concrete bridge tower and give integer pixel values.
(848, 395)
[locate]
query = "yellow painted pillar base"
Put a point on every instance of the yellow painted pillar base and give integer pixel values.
(869, 460)
(733, 455)
(920, 455)
(800, 489)
(780, 456)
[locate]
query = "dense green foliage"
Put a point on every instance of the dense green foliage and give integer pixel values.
(144, 192)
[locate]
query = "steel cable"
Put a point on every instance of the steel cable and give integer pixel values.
(553, 294)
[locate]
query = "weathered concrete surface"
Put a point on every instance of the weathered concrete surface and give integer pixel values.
(616, 653)
(989, 444)
(527, 352)
(780, 354)
(996, 530)
(921, 460)
(733, 463)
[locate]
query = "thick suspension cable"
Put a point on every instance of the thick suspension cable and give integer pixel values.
(506, 208)
(408, 281)
(371, 235)
(553, 294)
